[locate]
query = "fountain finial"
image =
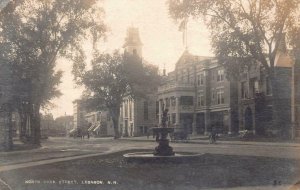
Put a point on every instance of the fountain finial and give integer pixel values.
(164, 118)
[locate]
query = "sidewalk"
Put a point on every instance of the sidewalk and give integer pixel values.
(201, 139)
(51, 149)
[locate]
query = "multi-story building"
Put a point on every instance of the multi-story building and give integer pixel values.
(255, 97)
(79, 122)
(137, 115)
(199, 96)
(100, 123)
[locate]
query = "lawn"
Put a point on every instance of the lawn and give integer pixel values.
(113, 172)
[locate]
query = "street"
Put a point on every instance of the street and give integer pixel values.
(89, 159)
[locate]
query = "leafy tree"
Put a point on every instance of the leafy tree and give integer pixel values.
(246, 32)
(33, 34)
(113, 77)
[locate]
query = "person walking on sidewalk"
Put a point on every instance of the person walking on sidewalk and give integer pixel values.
(213, 135)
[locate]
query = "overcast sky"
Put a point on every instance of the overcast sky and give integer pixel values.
(162, 42)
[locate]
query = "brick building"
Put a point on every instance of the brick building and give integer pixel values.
(255, 98)
(199, 96)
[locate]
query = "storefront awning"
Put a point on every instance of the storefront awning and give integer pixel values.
(92, 127)
(97, 128)
(72, 131)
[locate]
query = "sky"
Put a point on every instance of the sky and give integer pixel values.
(162, 41)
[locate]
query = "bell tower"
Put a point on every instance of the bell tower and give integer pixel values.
(133, 44)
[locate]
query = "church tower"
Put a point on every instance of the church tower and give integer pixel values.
(133, 44)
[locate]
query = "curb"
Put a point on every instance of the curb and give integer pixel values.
(219, 142)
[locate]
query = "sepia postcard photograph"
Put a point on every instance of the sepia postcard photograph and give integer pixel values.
(149, 94)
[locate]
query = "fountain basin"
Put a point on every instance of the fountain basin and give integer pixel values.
(149, 157)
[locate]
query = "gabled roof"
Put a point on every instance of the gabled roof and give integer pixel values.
(187, 57)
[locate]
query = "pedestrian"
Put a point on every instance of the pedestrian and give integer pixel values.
(213, 135)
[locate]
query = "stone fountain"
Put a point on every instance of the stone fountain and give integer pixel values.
(161, 133)
(163, 152)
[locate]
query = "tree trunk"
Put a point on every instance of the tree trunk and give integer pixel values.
(25, 130)
(36, 123)
(22, 133)
(115, 113)
(34, 117)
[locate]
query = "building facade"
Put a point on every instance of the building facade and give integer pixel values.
(100, 124)
(79, 122)
(137, 115)
(256, 98)
(199, 97)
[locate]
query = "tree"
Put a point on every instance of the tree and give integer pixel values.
(246, 32)
(113, 77)
(33, 34)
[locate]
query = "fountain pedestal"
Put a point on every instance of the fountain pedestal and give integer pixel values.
(163, 148)
(163, 152)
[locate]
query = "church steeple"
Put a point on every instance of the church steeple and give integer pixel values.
(133, 44)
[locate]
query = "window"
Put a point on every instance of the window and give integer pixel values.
(173, 118)
(145, 110)
(244, 90)
(220, 75)
(186, 100)
(201, 79)
(256, 86)
(130, 111)
(173, 101)
(167, 102)
(200, 100)
(253, 86)
(213, 96)
(220, 96)
(126, 108)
